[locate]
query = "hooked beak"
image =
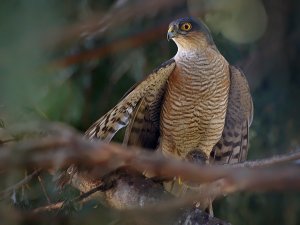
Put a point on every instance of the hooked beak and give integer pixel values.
(171, 33)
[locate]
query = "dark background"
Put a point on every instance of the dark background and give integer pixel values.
(72, 60)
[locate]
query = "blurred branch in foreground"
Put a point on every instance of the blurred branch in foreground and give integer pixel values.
(63, 150)
(117, 46)
(98, 24)
(114, 173)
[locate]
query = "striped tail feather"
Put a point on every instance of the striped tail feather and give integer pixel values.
(232, 147)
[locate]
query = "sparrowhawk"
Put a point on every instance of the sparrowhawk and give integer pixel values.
(194, 107)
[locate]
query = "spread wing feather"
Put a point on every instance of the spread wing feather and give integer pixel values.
(136, 109)
(129, 107)
(233, 145)
(143, 130)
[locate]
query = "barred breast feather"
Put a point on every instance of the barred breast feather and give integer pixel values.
(195, 104)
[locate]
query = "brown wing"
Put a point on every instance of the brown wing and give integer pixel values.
(139, 102)
(121, 115)
(143, 129)
(233, 145)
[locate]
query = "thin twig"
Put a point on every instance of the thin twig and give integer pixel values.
(278, 159)
(81, 198)
(7, 141)
(44, 189)
(50, 207)
(18, 185)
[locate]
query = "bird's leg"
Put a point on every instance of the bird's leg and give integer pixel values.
(200, 158)
(197, 157)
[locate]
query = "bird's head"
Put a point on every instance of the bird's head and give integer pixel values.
(190, 33)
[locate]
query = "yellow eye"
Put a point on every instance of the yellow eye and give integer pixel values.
(186, 26)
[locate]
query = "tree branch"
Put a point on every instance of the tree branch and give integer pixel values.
(62, 151)
(278, 159)
(68, 148)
